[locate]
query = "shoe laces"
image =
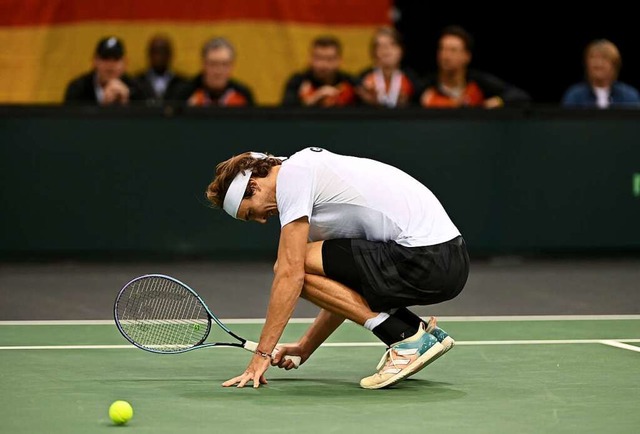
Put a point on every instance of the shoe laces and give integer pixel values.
(395, 359)
(389, 354)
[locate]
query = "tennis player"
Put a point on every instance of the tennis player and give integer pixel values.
(360, 239)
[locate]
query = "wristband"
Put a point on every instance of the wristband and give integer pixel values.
(263, 354)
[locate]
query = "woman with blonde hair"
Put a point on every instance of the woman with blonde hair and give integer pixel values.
(386, 83)
(601, 88)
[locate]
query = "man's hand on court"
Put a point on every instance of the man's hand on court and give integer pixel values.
(254, 372)
(288, 350)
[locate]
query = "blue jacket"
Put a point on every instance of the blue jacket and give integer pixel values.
(582, 95)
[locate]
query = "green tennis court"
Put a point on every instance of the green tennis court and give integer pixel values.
(506, 375)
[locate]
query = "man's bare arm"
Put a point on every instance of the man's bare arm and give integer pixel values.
(287, 283)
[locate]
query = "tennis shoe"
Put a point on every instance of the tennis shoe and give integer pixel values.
(442, 336)
(403, 359)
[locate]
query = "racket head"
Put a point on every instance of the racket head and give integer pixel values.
(158, 313)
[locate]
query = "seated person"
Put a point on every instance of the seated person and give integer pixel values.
(214, 86)
(454, 85)
(107, 83)
(386, 84)
(159, 81)
(601, 87)
(323, 84)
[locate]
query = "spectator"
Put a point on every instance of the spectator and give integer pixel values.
(214, 86)
(107, 83)
(601, 87)
(386, 84)
(159, 81)
(455, 85)
(322, 84)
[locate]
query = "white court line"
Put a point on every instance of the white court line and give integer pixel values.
(618, 344)
(345, 344)
(67, 347)
(514, 318)
(537, 318)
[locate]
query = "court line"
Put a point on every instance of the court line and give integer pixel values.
(354, 344)
(618, 344)
(513, 318)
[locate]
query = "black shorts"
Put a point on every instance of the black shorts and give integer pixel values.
(389, 275)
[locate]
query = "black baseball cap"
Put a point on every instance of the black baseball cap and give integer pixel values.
(110, 47)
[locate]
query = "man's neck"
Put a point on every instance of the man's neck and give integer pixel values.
(272, 179)
(159, 71)
(330, 80)
(216, 90)
(453, 78)
(604, 83)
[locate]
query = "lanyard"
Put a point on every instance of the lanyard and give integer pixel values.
(389, 99)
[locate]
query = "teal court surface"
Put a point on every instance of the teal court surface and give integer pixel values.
(505, 375)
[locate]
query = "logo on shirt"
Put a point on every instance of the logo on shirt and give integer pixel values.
(314, 149)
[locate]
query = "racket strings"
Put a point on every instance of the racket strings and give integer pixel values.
(160, 314)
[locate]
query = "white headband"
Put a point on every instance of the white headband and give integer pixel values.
(238, 187)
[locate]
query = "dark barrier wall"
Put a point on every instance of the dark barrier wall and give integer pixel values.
(132, 182)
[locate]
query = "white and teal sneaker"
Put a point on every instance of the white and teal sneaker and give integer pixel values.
(442, 337)
(403, 359)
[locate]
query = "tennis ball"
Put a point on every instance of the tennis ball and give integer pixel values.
(120, 412)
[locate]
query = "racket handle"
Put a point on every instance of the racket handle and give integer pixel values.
(253, 346)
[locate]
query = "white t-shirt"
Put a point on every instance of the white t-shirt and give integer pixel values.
(351, 197)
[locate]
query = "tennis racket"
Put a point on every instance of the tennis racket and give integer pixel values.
(160, 314)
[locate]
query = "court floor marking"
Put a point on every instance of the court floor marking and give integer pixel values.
(618, 343)
(487, 318)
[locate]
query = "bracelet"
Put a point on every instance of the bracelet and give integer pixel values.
(263, 354)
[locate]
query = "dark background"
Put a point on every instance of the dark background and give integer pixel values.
(534, 45)
(516, 182)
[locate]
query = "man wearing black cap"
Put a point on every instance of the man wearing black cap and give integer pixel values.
(107, 83)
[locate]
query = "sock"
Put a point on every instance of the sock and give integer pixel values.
(372, 323)
(393, 330)
(405, 315)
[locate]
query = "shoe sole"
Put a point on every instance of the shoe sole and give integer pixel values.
(447, 343)
(421, 362)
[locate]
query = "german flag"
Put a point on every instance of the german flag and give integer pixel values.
(46, 43)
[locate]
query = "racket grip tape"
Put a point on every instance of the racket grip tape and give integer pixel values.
(253, 347)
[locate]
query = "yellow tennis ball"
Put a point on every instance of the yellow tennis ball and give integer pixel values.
(120, 412)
